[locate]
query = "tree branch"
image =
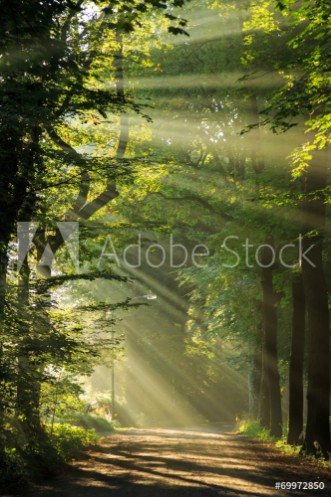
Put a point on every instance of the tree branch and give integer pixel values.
(110, 193)
(85, 183)
(83, 209)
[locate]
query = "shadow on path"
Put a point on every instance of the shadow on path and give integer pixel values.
(170, 463)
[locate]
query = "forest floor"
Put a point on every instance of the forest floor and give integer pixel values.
(181, 463)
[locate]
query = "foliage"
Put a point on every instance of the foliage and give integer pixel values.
(253, 428)
(45, 456)
(109, 121)
(89, 422)
(12, 466)
(52, 57)
(68, 441)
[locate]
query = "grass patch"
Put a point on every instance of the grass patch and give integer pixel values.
(253, 428)
(285, 448)
(88, 422)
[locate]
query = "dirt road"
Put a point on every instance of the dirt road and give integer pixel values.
(171, 463)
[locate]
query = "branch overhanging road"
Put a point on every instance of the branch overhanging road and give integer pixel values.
(182, 463)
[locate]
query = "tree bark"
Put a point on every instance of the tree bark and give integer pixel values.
(256, 375)
(317, 440)
(270, 389)
(264, 404)
(295, 421)
(28, 387)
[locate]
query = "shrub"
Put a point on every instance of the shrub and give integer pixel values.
(253, 428)
(68, 441)
(45, 454)
(12, 465)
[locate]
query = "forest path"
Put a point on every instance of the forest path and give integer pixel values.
(180, 463)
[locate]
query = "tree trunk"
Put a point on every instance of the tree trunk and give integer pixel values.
(264, 404)
(29, 372)
(318, 429)
(295, 422)
(256, 375)
(270, 375)
(28, 385)
(317, 439)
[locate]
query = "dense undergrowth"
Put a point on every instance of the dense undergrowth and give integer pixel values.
(47, 453)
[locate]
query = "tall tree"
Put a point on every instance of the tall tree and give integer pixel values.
(295, 417)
